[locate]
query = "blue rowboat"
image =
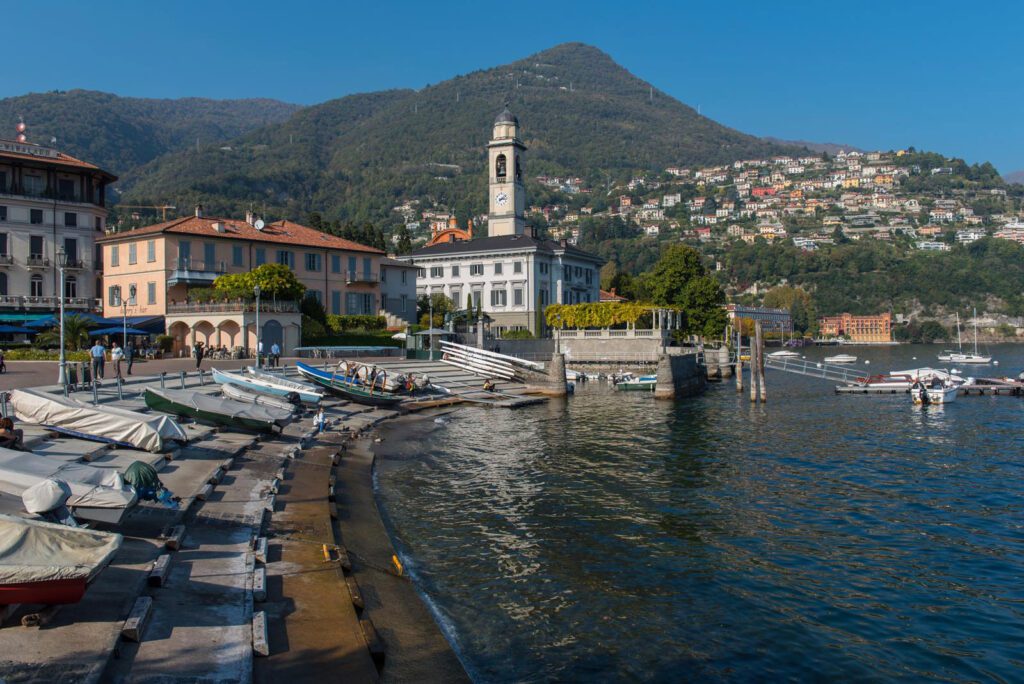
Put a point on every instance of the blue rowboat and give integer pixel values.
(261, 386)
(349, 390)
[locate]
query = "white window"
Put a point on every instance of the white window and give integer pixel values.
(499, 297)
(497, 268)
(517, 296)
(437, 271)
(36, 286)
(114, 295)
(421, 272)
(517, 266)
(476, 269)
(455, 272)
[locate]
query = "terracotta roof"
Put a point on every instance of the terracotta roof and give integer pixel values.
(60, 159)
(280, 232)
(606, 296)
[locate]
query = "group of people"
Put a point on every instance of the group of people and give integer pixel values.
(118, 355)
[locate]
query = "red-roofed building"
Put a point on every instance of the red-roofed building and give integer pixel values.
(164, 261)
(610, 296)
(49, 202)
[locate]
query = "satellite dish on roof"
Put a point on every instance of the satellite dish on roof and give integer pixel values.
(259, 224)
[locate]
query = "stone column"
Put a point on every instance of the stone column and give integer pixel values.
(665, 387)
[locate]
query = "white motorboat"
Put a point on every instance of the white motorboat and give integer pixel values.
(936, 393)
(784, 354)
(960, 356)
(841, 358)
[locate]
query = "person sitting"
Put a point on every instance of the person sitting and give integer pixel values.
(3, 365)
(488, 385)
(11, 437)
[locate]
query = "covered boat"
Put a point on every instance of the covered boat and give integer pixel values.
(41, 562)
(352, 391)
(239, 393)
(362, 372)
(97, 494)
(100, 423)
(257, 385)
(220, 411)
(310, 394)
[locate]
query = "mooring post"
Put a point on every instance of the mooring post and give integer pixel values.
(754, 343)
(95, 394)
(182, 379)
(739, 361)
(163, 378)
(120, 391)
(760, 363)
(201, 383)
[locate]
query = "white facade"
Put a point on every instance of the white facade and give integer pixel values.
(48, 202)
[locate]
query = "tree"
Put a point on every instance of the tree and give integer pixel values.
(274, 280)
(679, 279)
(404, 245)
(608, 274)
(76, 333)
(678, 265)
(441, 305)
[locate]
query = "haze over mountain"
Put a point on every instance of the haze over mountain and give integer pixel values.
(1014, 176)
(358, 156)
(121, 133)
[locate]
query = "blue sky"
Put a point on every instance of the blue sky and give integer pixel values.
(945, 76)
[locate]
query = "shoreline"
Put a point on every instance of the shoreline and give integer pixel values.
(419, 646)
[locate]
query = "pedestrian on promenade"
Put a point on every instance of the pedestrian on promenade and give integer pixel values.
(129, 355)
(319, 421)
(199, 355)
(98, 353)
(116, 355)
(275, 355)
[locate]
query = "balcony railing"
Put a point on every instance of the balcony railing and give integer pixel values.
(37, 261)
(76, 265)
(361, 276)
(195, 272)
(237, 306)
(6, 260)
(29, 302)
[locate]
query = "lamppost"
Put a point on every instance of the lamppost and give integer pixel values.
(430, 323)
(256, 291)
(62, 378)
(124, 314)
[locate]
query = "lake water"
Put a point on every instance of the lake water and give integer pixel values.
(610, 537)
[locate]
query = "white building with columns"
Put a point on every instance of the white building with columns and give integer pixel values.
(511, 273)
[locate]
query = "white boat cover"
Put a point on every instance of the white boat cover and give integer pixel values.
(240, 394)
(36, 551)
(283, 382)
(229, 407)
(45, 495)
(90, 487)
(142, 431)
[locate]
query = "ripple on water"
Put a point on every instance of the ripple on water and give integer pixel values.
(612, 537)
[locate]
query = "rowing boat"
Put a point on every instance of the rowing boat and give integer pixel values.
(310, 394)
(238, 393)
(257, 385)
(206, 408)
(349, 390)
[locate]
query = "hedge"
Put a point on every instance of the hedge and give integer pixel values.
(43, 355)
(368, 339)
(339, 324)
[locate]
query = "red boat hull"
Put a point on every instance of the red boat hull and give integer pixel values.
(49, 593)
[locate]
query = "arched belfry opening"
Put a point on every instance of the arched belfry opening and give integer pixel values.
(500, 167)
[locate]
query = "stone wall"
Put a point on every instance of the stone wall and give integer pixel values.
(679, 375)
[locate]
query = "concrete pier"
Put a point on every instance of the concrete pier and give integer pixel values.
(551, 381)
(679, 375)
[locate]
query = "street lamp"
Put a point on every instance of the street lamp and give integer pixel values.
(124, 314)
(256, 291)
(430, 324)
(62, 377)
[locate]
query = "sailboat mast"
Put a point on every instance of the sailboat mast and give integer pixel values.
(959, 344)
(975, 331)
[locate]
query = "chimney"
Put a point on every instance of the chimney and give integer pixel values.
(250, 218)
(469, 228)
(199, 211)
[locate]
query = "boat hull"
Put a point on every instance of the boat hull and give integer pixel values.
(256, 386)
(159, 403)
(339, 387)
(635, 386)
(51, 592)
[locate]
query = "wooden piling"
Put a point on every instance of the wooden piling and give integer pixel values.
(739, 353)
(760, 363)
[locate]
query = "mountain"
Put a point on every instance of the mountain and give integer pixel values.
(122, 133)
(1014, 176)
(831, 148)
(358, 156)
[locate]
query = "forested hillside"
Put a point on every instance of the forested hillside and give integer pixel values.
(122, 133)
(356, 157)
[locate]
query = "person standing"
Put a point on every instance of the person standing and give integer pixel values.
(275, 355)
(129, 355)
(199, 355)
(116, 355)
(319, 421)
(98, 353)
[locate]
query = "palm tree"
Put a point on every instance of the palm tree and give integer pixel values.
(76, 333)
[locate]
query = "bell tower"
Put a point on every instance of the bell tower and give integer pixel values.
(507, 214)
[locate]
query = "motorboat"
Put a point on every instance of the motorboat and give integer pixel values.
(51, 564)
(99, 423)
(960, 356)
(350, 389)
(256, 385)
(96, 494)
(841, 358)
(210, 409)
(635, 383)
(784, 354)
(937, 392)
(239, 393)
(901, 380)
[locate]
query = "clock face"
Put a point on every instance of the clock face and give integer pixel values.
(501, 199)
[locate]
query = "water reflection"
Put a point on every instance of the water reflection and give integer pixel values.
(612, 537)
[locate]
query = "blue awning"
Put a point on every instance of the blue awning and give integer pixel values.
(117, 331)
